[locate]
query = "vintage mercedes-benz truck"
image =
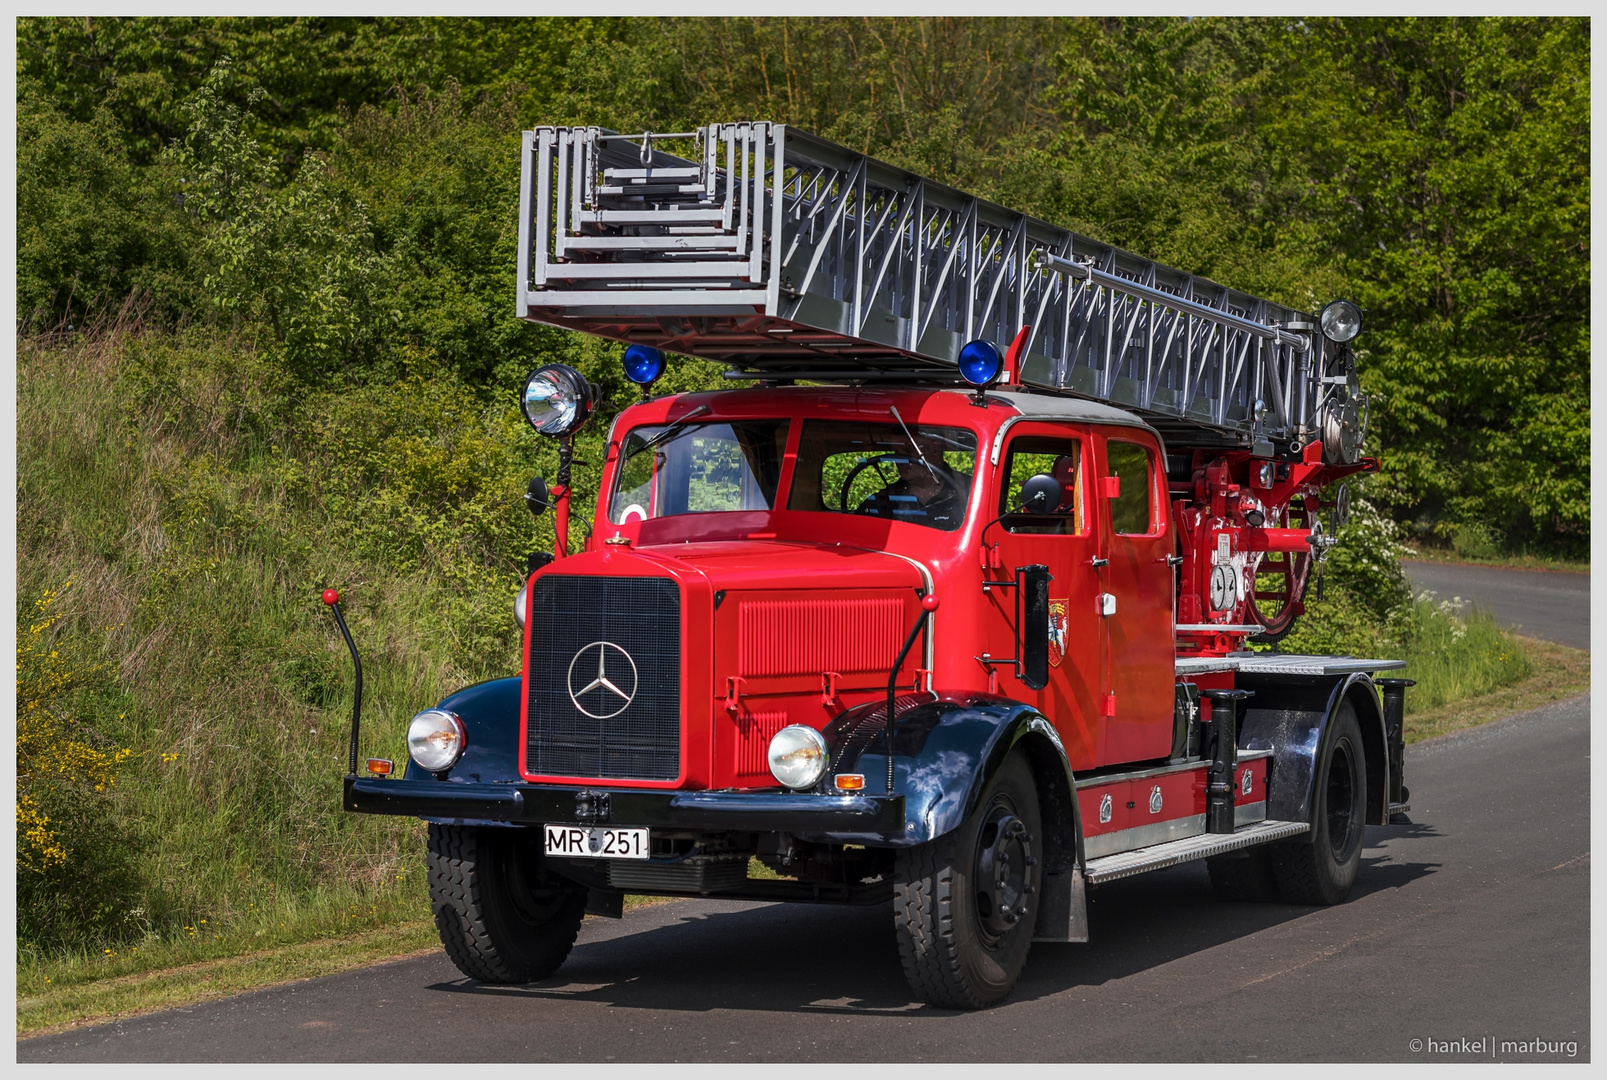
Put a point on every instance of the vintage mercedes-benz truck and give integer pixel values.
(943, 604)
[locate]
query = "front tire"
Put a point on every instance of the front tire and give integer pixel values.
(1323, 871)
(502, 917)
(964, 905)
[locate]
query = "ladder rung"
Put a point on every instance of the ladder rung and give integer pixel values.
(646, 300)
(651, 189)
(650, 174)
(1173, 852)
(675, 242)
(648, 217)
(649, 271)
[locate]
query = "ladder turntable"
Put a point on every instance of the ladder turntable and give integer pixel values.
(786, 256)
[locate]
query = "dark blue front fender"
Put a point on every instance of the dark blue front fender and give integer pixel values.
(490, 714)
(946, 752)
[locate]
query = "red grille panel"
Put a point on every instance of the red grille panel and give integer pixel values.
(754, 732)
(807, 637)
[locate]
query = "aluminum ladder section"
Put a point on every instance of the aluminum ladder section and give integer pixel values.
(784, 255)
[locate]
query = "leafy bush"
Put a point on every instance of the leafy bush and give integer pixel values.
(298, 258)
(91, 228)
(1473, 541)
(74, 862)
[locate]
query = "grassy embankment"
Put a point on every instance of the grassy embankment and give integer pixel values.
(196, 504)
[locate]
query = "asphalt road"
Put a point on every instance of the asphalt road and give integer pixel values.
(1550, 604)
(1470, 924)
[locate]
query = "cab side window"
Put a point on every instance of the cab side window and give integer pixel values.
(1132, 512)
(1059, 459)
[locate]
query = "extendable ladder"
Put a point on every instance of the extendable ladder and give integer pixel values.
(786, 256)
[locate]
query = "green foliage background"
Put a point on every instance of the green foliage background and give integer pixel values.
(266, 340)
(351, 183)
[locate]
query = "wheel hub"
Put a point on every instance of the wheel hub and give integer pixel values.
(1003, 871)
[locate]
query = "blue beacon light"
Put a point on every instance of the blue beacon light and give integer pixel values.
(643, 365)
(980, 365)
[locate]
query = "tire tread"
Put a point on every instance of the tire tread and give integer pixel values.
(462, 876)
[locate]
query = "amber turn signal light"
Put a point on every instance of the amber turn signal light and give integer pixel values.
(380, 766)
(850, 782)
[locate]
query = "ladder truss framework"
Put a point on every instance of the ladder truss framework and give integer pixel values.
(787, 256)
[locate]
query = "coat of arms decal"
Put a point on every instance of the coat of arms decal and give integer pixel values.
(1057, 632)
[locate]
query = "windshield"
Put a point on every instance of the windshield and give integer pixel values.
(873, 468)
(699, 468)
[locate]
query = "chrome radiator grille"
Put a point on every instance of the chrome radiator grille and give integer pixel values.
(605, 678)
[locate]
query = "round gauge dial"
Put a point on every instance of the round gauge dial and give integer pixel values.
(1224, 588)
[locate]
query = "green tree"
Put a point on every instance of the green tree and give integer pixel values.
(91, 227)
(1449, 171)
(300, 257)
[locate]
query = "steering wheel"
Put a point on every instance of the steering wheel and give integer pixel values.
(942, 474)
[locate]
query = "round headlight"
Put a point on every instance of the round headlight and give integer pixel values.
(519, 604)
(435, 739)
(557, 399)
(1341, 321)
(798, 757)
(980, 362)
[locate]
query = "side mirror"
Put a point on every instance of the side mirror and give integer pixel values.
(1041, 494)
(536, 498)
(1032, 622)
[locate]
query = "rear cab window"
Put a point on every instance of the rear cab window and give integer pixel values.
(1134, 510)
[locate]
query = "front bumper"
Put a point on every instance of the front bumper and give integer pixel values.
(824, 818)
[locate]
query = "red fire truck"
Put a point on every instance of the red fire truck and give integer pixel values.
(945, 602)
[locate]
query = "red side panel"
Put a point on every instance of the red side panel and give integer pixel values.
(1091, 799)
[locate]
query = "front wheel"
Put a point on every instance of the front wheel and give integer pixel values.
(964, 904)
(1323, 871)
(502, 918)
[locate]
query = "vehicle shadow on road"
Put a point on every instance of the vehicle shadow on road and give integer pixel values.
(700, 956)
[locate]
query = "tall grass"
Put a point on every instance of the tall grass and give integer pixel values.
(1456, 651)
(187, 492)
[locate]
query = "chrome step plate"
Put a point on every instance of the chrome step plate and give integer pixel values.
(1128, 863)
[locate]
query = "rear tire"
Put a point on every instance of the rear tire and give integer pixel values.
(1323, 871)
(963, 936)
(502, 917)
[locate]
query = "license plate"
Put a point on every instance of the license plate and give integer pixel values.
(585, 842)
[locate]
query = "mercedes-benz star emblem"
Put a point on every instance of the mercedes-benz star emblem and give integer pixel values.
(610, 691)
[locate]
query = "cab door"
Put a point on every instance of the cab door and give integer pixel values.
(1137, 608)
(1063, 539)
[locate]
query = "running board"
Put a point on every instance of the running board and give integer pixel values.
(1160, 856)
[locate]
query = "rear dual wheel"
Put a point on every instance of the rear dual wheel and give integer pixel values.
(1320, 870)
(1323, 871)
(964, 905)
